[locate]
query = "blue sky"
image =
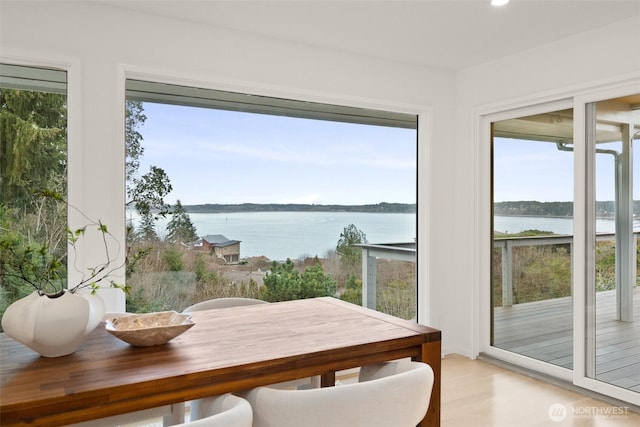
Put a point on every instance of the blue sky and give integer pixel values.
(530, 170)
(214, 156)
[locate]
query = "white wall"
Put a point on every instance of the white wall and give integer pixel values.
(102, 44)
(554, 71)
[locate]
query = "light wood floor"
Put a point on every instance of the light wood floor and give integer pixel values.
(480, 394)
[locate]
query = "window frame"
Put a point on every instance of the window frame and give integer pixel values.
(424, 137)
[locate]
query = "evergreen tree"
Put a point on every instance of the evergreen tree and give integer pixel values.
(180, 228)
(350, 255)
(314, 282)
(281, 282)
(147, 230)
(353, 290)
(33, 145)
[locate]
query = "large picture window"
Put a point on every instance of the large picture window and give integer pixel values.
(231, 194)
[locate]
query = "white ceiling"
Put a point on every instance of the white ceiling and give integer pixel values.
(451, 34)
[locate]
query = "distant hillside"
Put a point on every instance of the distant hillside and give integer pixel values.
(604, 209)
(274, 207)
(533, 208)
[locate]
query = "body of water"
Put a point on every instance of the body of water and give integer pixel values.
(282, 235)
(516, 224)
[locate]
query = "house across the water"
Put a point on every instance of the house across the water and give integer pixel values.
(220, 246)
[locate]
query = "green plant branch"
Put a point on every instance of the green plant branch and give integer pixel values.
(37, 265)
(97, 273)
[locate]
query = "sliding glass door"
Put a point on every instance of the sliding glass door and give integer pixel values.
(565, 223)
(612, 294)
(532, 226)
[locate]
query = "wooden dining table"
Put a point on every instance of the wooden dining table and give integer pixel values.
(227, 350)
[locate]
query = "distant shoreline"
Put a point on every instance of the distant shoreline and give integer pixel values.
(603, 209)
(553, 216)
(294, 207)
(514, 209)
(535, 216)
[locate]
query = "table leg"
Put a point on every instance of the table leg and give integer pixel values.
(328, 379)
(432, 355)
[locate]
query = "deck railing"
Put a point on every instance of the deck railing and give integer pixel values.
(405, 251)
(506, 245)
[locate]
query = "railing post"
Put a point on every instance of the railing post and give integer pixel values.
(369, 280)
(625, 249)
(507, 274)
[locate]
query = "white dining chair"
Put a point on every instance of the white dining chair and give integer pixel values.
(394, 394)
(225, 410)
(222, 303)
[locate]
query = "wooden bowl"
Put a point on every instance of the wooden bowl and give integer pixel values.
(149, 329)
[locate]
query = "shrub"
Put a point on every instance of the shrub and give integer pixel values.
(173, 258)
(284, 282)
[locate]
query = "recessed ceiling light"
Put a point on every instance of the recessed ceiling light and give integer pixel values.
(499, 2)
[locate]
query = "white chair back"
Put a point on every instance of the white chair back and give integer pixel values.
(399, 399)
(226, 410)
(222, 303)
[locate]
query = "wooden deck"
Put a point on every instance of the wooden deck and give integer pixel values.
(543, 330)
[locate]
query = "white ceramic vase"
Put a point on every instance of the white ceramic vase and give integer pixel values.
(53, 326)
